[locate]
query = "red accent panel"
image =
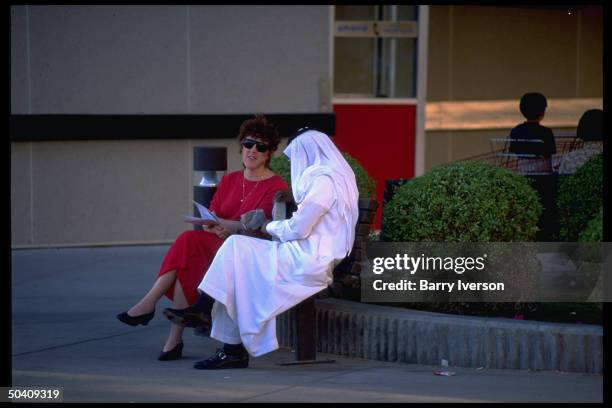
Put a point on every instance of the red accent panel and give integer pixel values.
(381, 138)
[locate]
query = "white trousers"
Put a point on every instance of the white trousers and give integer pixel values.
(226, 330)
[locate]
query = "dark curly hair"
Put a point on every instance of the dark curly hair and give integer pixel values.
(259, 127)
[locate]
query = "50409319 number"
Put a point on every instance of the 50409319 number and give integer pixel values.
(50, 394)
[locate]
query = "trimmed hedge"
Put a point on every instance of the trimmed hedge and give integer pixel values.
(470, 202)
(589, 264)
(579, 199)
(594, 229)
(281, 166)
(365, 184)
(463, 202)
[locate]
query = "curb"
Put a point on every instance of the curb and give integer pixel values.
(394, 334)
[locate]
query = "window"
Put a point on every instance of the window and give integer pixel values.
(375, 51)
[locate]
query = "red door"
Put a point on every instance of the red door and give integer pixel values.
(381, 137)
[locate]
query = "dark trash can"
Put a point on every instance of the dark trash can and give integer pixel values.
(209, 165)
(390, 186)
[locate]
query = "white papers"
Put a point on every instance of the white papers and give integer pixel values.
(206, 217)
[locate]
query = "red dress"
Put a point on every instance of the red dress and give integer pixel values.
(192, 252)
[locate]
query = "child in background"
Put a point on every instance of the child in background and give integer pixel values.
(532, 142)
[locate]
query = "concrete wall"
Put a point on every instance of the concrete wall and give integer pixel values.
(168, 59)
(360, 330)
(150, 60)
(98, 192)
(499, 53)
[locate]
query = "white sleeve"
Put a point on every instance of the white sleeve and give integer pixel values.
(317, 202)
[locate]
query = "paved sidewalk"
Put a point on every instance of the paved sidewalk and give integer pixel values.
(64, 333)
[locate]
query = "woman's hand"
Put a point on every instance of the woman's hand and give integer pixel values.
(218, 231)
(223, 232)
(208, 228)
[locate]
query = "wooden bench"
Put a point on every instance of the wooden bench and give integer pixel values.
(346, 276)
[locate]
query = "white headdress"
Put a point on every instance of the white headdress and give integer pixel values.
(312, 153)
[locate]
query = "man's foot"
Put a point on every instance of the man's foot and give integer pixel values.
(222, 360)
(188, 317)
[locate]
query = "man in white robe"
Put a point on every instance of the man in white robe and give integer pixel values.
(253, 280)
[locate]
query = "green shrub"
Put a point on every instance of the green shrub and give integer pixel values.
(580, 197)
(589, 264)
(281, 166)
(594, 229)
(593, 233)
(471, 202)
(365, 184)
(463, 202)
(580, 204)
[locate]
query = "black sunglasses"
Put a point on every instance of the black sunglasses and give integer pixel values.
(261, 147)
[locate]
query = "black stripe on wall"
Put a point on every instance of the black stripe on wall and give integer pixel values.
(28, 128)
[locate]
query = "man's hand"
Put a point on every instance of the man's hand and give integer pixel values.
(263, 230)
(253, 219)
(257, 233)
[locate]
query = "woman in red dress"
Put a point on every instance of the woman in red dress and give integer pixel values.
(192, 252)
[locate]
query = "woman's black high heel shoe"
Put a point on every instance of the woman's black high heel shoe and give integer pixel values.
(175, 354)
(143, 319)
